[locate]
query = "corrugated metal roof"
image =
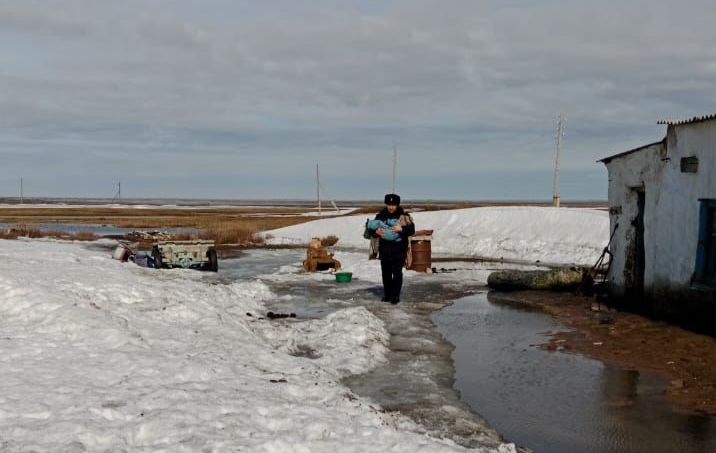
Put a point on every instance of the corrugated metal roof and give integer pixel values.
(696, 119)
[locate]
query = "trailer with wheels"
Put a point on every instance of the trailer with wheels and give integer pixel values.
(186, 255)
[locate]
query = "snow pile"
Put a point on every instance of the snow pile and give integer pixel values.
(548, 235)
(100, 356)
(324, 341)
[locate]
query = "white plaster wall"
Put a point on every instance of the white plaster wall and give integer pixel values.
(639, 169)
(671, 217)
(677, 216)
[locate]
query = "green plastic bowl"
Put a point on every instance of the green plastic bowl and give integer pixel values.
(344, 277)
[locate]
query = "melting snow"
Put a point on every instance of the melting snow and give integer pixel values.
(96, 355)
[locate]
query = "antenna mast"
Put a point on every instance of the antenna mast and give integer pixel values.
(560, 135)
(22, 198)
(118, 194)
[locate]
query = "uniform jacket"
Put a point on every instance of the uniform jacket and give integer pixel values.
(395, 250)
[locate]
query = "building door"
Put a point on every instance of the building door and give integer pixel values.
(710, 273)
(640, 249)
(705, 271)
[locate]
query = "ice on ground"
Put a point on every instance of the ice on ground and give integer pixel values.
(528, 233)
(367, 270)
(324, 341)
(96, 355)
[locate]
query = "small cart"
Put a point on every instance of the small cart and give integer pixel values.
(185, 254)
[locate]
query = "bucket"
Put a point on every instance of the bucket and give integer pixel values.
(344, 277)
(422, 255)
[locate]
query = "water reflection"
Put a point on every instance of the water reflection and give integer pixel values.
(555, 402)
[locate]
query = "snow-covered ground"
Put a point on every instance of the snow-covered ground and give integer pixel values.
(525, 233)
(96, 355)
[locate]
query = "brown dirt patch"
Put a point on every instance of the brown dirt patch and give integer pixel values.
(686, 360)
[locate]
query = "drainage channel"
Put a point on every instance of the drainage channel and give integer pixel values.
(417, 379)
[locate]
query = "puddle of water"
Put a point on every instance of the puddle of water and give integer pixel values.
(555, 402)
(96, 228)
(417, 380)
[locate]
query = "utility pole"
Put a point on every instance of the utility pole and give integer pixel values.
(318, 189)
(560, 135)
(22, 197)
(395, 164)
(118, 194)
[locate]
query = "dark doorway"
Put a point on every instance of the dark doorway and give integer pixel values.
(711, 248)
(640, 250)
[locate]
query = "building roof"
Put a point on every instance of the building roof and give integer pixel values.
(606, 160)
(696, 119)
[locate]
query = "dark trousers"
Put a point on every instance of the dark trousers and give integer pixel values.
(392, 277)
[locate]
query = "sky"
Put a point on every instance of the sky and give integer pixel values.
(241, 99)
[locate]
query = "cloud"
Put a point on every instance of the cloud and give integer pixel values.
(462, 86)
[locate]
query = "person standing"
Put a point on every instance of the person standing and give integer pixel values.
(392, 253)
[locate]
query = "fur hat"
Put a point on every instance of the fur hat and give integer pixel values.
(392, 198)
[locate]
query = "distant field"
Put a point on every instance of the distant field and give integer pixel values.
(262, 218)
(224, 224)
(253, 217)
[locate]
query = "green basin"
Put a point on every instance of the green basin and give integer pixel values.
(344, 277)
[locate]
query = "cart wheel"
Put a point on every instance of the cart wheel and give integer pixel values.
(213, 264)
(157, 256)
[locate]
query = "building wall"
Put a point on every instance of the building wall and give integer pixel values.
(673, 253)
(641, 169)
(671, 213)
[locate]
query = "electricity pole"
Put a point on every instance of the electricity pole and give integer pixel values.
(318, 189)
(22, 197)
(560, 135)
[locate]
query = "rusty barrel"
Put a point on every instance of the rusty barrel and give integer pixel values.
(422, 255)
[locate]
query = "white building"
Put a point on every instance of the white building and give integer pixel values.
(662, 204)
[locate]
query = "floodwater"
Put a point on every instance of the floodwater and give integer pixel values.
(96, 228)
(554, 402)
(450, 362)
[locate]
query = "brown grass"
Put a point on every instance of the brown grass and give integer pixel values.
(157, 218)
(224, 226)
(35, 233)
(231, 233)
(224, 233)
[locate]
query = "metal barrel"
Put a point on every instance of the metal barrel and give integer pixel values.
(422, 255)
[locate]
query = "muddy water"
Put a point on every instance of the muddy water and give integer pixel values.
(449, 363)
(556, 402)
(417, 380)
(98, 229)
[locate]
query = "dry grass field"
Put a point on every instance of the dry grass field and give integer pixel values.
(224, 225)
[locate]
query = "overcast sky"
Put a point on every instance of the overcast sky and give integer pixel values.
(240, 99)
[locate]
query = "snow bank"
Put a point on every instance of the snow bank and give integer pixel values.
(96, 355)
(550, 235)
